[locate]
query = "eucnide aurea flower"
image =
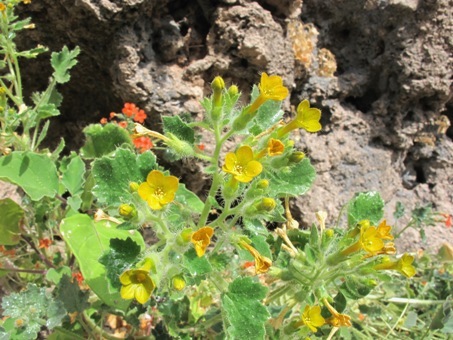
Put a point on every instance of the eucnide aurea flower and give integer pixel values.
(158, 190)
(242, 164)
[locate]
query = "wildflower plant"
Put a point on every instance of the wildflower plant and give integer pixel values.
(111, 231)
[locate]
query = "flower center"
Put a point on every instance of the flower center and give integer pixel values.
(140, 277)
(159, 192)
(238, 168)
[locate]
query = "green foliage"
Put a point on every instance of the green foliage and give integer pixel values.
(103, 139)
(119, 257)
(11, 214)
(180, 129)
(74, 179)
(294, 180)
(74, 300)
(56, 274)
(88, 240)
(29, 310)
(366, 206)
(196, 265)
(244, 314)
(35, 173)
(62, 62)
(112, 174)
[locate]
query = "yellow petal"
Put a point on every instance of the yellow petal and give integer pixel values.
(154, 178)
(125, 278)
(154, 203)
(230, 162)
(170, 184)
(128, 292)
(142, 293)
(145, 190)
(253, 169)
(308, 118)
(244, 155)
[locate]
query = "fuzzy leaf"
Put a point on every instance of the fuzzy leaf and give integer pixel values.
(102, 140)
(74, 300)
(365, 206)
(121, 255)
(180, 129)
(295, 180)
(74, 176)
(55, 275)
(244, 314)
(196, 265)
(34, 173)
(36, 308)
(112, 174)
(11, 214)
(88, 240)
(46, 111)
(62, 62)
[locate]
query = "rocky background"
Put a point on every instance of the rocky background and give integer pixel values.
(380, 70)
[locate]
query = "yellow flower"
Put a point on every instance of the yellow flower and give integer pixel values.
(271, 88)
(262, 263)
(274, 148)
(201, 239)
(384, 230)
(2, 7)
(370, 241)
(242, 164)
(136, 283)
(312, 318)
(403, 265)
(307, 118)
(158, 190)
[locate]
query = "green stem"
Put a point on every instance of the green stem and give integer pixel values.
(215, 179)
(415, 301)
(411, 222)
(29, 271)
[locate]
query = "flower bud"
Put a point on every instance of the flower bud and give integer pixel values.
(127, 211)
(233, 90)
(296, 156)
(178, 282)
(186, 235)
(329, 233)
(218, 84)
(133, 186)
(267, 204)
(262, 184)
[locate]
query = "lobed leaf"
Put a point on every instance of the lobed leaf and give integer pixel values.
(62, 62)
(366, 206)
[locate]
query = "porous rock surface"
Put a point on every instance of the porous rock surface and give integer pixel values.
(381, 107)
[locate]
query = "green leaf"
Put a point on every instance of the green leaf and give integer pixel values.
(74, 300)
(11, 214)
(365, 206)
(121, 255)
(180, 129)
(55, 274)
(244, 315)
(196, 265)
(34, 173)
(295, 180)
(47, 110)
(411, 320)
(112, 175)
(355, 288)
(63, 334)
(36, 308)
(180, 215)
(74, 175)
(103, 139)
(62, 62)
(88, 240)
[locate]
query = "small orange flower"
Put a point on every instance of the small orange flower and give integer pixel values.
(103, 121)
(112, 115)
(44, 243)
(123, 124)
(201, 240)
(201, 147)
(143, 143)
(448, 220)
(274, 148)
(140, 116)
(130, 109)
(78, 277)
(383, 230)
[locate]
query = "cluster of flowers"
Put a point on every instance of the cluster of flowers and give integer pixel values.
(131, 113)
(243, 165)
